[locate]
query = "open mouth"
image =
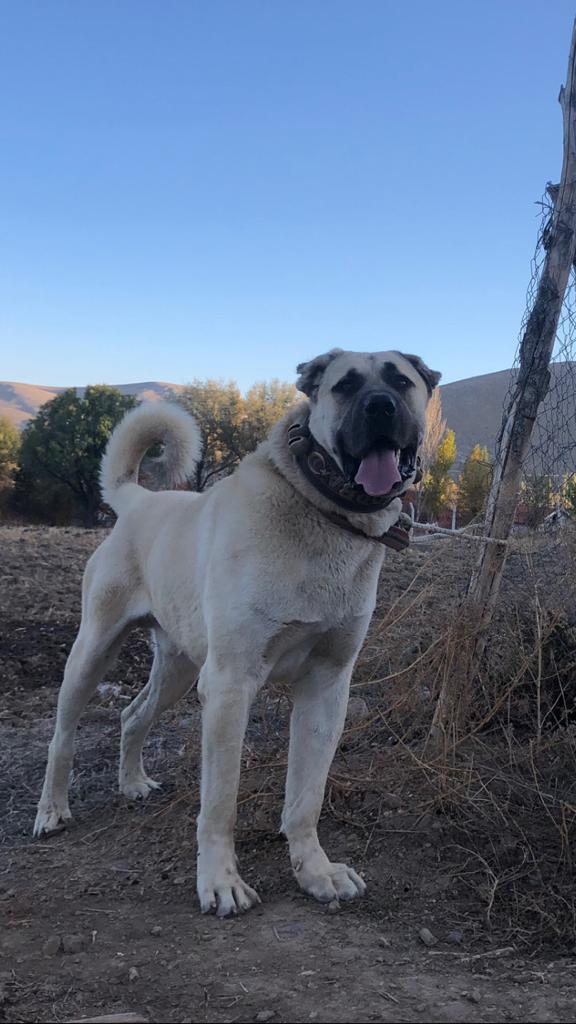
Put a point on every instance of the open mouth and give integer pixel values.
(383, 470)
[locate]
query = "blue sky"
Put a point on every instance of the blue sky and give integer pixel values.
(194, 188)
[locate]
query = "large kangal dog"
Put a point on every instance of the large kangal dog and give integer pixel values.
(270, 574)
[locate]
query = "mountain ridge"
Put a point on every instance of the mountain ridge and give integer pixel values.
(472, 407)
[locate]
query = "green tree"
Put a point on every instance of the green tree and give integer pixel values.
(217, 406)
(537, 495)
(475, 480)
(265, 403)
(437, 485)
(232, 425)
(9, 446)
(61, 452)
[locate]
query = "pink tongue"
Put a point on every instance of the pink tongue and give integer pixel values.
(378, 472)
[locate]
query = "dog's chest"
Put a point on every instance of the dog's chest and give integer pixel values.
(326, 590)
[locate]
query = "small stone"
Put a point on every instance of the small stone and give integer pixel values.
(156, 930)
(383, 940)
(455, 937)
(333, 906)
(179, 880)
(52, 946)
(73, 943)
(475, 996)
(265, 1015)
(427, 937)
(133, 974)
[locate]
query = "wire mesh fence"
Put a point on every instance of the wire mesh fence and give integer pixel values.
(549, 470)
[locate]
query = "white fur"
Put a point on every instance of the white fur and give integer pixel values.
(148, 424)
(244, 583)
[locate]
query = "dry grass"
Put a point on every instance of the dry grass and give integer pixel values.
(505, 785)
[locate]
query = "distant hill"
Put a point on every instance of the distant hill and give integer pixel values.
(472, 408)
(21, 402)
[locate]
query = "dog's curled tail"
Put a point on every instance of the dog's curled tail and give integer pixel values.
(149, 424)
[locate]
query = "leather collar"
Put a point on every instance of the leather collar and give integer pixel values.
(396, 537)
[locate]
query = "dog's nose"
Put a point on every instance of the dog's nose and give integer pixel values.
(380, 403)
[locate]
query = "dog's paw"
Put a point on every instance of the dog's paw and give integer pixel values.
(336, 882)
(138, 788)
(51, 817)
(226, 895)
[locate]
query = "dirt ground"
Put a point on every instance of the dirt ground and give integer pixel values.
(103, 917)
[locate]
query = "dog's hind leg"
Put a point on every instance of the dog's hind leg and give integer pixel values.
(105, 621)
(172, 675)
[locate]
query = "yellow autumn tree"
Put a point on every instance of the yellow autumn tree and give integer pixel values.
(437, 485)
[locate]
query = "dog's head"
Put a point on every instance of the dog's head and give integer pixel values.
(368, 411)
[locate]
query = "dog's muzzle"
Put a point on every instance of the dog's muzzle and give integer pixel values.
(325, 475)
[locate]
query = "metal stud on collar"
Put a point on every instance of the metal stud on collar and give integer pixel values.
(299, 438)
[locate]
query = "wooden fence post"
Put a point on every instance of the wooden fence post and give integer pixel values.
(530, 388)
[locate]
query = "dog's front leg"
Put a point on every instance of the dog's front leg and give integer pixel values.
(226, 701)
(317, 721)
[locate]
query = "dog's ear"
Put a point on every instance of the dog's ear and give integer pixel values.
(310, 374)
(430, 377)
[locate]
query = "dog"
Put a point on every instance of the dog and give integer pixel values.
(270, 574)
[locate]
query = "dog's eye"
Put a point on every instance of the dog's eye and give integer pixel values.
(349, 384)
(402, 383)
